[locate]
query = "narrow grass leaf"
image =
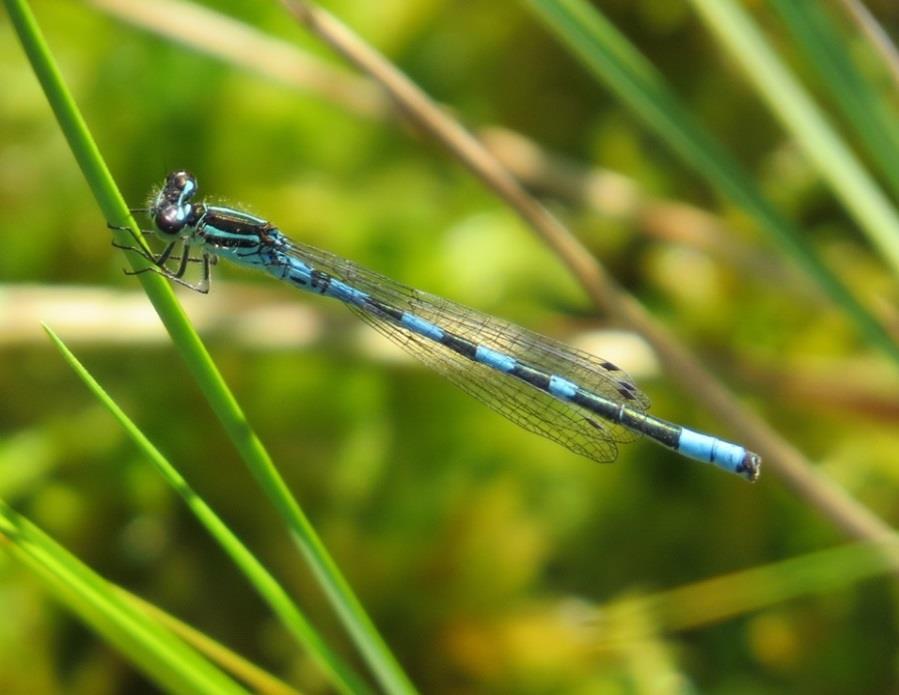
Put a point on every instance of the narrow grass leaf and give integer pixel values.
(341, 597)
(825, 48)
(262, 682)
(785, 96)
(617, 63)
(262, 581)
(728, 596)
(160, 655)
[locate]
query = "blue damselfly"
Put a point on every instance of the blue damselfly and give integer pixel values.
(580, 401)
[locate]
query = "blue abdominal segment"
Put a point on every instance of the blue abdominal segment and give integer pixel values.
(495, 360)
(703, 447)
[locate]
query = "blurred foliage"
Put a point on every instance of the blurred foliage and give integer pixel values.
(480, 550)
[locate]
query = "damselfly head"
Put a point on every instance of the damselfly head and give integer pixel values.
(171, 209)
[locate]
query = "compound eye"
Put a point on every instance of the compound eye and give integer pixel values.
(182, 182)
(170, 220)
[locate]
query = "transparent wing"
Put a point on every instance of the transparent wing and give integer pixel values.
(523, 404)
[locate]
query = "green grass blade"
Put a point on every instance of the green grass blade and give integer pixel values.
(835, 162)
(347, 606)
(613, 60)
(262, 682)
(731, 595)
(265, 584)
(825, 49)
(156, 652)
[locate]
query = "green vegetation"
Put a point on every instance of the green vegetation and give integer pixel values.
(397, 532)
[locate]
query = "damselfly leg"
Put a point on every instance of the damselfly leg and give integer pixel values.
(160, 260)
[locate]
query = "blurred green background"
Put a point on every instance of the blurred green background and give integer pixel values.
(491, 559)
